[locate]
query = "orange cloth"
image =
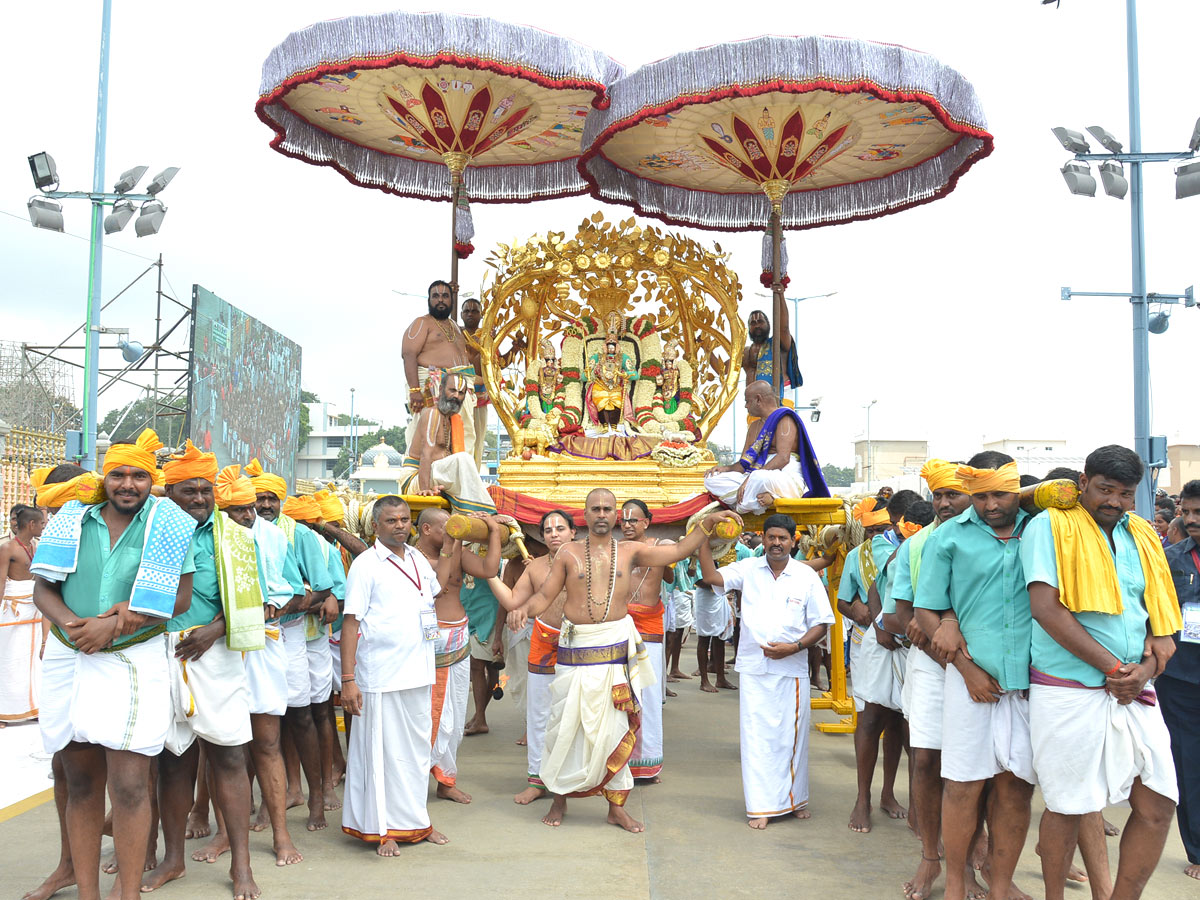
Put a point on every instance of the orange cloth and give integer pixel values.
(86, 488)
(331, 507)
(543, 648)
(648, 619)
(908, 529)
(233, 488)
(1005, 479)
(190, 464)
(457, 442)
(139, 455)
(942, 476)
(302, 509)
(265, 482)
(866, 513)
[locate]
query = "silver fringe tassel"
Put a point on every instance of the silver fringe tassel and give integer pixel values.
(765, 59)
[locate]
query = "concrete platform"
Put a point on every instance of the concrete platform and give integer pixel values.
(696, 845)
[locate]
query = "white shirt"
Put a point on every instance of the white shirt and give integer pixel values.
(271, 546)
(776, 610)
(387, 594)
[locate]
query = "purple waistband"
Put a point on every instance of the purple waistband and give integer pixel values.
(1147, 697)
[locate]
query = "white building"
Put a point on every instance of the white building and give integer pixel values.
(317, 457)
(1036, 456)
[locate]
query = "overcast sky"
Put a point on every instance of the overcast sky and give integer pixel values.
(948, 315)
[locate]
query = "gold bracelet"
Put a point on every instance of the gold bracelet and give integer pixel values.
(702, 531)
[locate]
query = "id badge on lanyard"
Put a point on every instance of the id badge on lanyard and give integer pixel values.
(429, 624)
(1191, 614)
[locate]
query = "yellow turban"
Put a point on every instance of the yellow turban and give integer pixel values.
(38, 476)
(233, 489)
(983, 481)
(191, 464)
(942, 476)
(907, 528)
(302, 509)
(265, 482)
(139, 455)
(866, 513)
(331, 507)
(86, 488)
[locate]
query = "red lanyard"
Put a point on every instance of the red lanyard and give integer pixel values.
(416, 582)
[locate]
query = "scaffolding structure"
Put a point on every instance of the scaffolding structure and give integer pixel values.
(162, 373)
(39, 398)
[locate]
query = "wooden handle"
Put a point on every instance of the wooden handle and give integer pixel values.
(472, 530)
(1062, 493)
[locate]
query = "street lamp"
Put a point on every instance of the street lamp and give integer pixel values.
(45, 213)
(870, 454)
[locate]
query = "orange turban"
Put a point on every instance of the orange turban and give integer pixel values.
(983, 481)
(942, 476)
(331, 507)
(86, 488)
(866, 513)
(302, 509)
(233, 489)
(907, 528)
(191, 464)
(139, 455)
(265, 482)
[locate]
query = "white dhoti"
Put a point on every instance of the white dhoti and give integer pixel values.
(387, 768)
(479, 419)
(119, 699)
(787, 482)
(873, 670)
(1088, 749)
(647, 759)
(266, 675)
(320, 666)
(537, 717)
(714, 614)
(210, 697)
(980, 740)
(925, 686)
(773, 713)
(467, 412)
(601, 670)
(680, 615)
(20, 641)
(296, 648)
(516, 656)
(457, 477)
(451, 692)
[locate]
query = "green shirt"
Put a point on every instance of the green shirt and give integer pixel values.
(104, 572)
(206, 592)
(967, 568)
(1122, 635)
(480, 605)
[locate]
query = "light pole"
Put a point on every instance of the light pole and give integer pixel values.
(870, 454)
(353, 434)
(1079, 180)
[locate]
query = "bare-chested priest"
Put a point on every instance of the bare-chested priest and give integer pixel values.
(452, 652)
(434, 347)
(602, 666)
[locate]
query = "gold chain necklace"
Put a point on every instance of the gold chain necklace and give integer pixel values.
(447, 328)
(612, 577)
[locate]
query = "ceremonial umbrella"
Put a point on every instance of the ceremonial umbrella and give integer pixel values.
(398, 100)
(785, 131)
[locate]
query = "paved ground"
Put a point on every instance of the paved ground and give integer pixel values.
(696, 845)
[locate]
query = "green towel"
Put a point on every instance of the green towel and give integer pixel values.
(237, 575)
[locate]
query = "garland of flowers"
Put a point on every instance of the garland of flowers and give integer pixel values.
(679, 454)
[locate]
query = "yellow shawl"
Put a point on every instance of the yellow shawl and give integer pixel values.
(1087, 573)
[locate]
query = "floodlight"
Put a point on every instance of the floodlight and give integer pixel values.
(1189, 297)
(1112, 176)
(129, 179)
(815, 416)
(131, 351)
(1072, 140)
(161, 180)
(44, 171)
(1159, 322)
(1187, 181)
(150, 219)
(1110, 143)
(816, 401)
(1064, 293)
(45, 213)
(1078, 176)
(1194, 143)
(119, 217)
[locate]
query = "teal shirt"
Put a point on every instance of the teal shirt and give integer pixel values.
(313, 568)
(743, 552)
(1122, 635)
(104, 573)
(683, 581)
(291, 571)
(966, 568)
(481, 607)
(206, 592)
(336, 571)
(851, 585)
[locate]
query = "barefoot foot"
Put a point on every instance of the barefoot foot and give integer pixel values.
(707, 688)
(436, 837)
(558, 809)
(921, 885)
(618, 816)
(316, 818)
(331, 798)
(531, 793)
(388, 848)
(244, 887)
(860, 818)
(262, 820)
(286, 853)
(450, 792)
(197, 826)
(677, 676)
(1110, 829)
(214, 849)
(725, 685)
(893, 808)
(63, 876)
(759, 824)
(163, 874)
(802, 813)
(1192, 871)
(669, 692)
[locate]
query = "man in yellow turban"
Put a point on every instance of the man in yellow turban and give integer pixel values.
(212, 695)
(113, 708)
(876, 686)
(925, 679)
(972, 604)
(1105, 609)
(308, 572)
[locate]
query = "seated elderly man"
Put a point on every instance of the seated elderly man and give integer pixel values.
(438, 461)
(777, 461)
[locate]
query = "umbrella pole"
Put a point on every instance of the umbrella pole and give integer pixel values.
(456, 163)
(776, 190)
